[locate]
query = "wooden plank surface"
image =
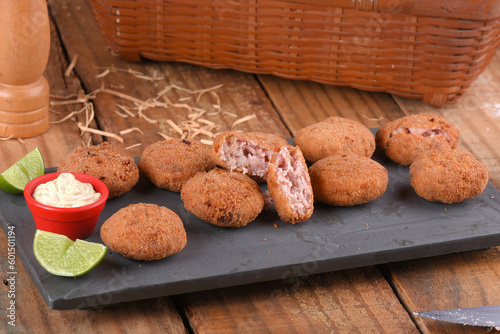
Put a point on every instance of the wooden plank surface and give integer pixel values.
(350, 301)
(359, 300)
(454, 281)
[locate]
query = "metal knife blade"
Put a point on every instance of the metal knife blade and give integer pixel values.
(488, 316)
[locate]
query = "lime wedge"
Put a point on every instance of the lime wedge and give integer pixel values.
(60, 256)
(17, 176)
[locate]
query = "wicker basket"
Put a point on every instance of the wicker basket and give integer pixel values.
(433, 52)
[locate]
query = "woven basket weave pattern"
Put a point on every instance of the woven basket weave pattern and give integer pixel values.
(431, 58)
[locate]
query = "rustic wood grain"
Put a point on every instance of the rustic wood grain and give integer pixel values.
(350, 301)
(302, 103)
(446, 282)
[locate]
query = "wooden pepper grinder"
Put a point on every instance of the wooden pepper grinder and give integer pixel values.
(24, 53)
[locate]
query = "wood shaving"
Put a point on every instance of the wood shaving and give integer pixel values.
(146, 118)
(67, 102)
(142, 76)
(71, 66)
(89, 117)
(175, 127)
(164, 136)
(244, 119)
(373, 119)
(200, 92)
(127, 110)
(163, 92)
(99, 132)
(6, 138)
(183, 105)
(119, 86)
(216, 105)
(132, 146)
(181, 89)
(230, 114)
(207, 122)
(61, 97)
(121, 114)
(131, 71)
(70, 115)
(103, 74)
(126, 131)
(196, 123)
(194, 116)
(123, 96)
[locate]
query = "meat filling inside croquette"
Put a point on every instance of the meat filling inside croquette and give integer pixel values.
(247, 155)
(424, 132)
(293, 180)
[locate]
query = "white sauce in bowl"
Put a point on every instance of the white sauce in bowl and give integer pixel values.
(66, 192)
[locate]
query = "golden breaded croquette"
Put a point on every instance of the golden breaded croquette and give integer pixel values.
(170, 163)
(335, 136)
(248, 153)
(144, 232)
(448, 176)
(118, 172)
(347, 180)
(405, 138)
(290, 185)
(223, 198)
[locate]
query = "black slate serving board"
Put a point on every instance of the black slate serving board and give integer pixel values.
(397, 226)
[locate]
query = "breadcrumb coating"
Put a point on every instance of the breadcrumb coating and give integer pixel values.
(170, 163)
(223, 198)
(448, 176)
(144, 232)
(335, 136)
(348, 180)
(118, 172)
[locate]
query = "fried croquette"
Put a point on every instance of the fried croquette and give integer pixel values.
(405, 138)
(448, 176)
(335, 136)
(290, 185)
(144, 232)
(118, 172)
(249, 153)
(347, 180)
(223, 198)
(170, 163)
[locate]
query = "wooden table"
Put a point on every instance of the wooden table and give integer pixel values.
(376, 299)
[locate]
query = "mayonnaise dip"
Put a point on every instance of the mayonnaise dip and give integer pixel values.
(66, 192)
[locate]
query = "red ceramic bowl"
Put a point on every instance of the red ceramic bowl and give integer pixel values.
(75, 223)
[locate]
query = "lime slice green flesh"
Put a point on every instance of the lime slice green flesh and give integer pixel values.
(60, 256)
(17, 176)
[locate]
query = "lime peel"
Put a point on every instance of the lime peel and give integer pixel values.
(60, 256)
(16, 177)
